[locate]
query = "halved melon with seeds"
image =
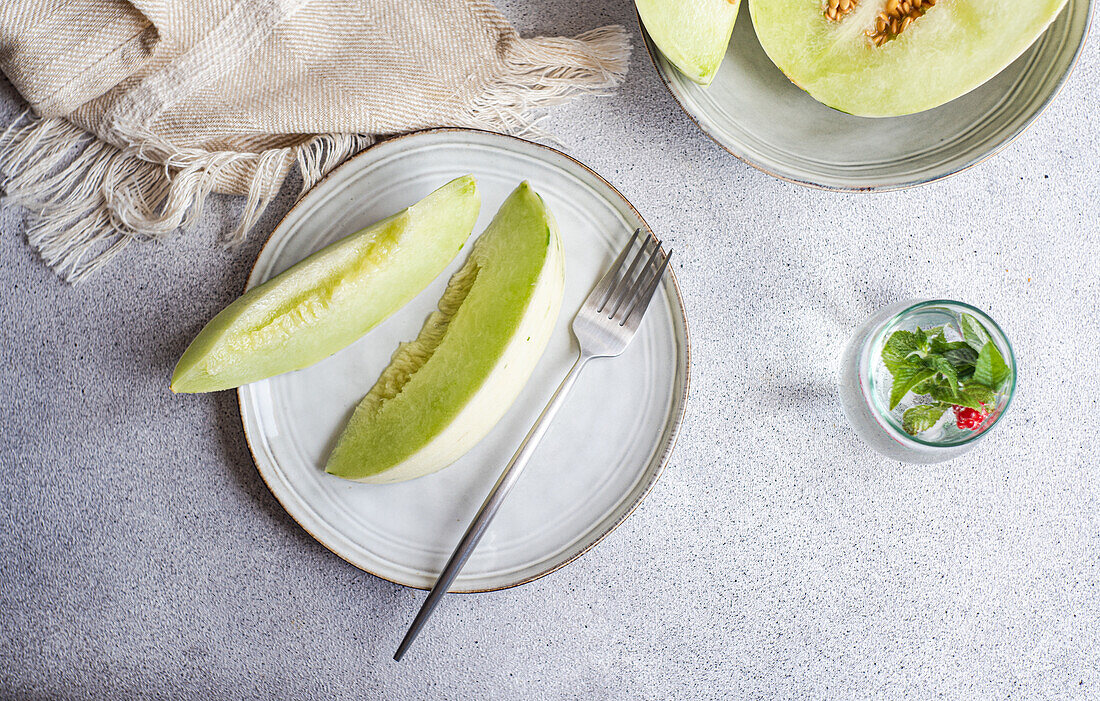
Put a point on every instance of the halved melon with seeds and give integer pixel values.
(331, 298)
(884, 58)
(692, 34)
(445, 390)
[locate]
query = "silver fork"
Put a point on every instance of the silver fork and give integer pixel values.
(604, 326)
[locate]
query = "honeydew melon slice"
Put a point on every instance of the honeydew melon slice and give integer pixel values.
(692, 34)
(945, 49)
(445, 390)
(331, 298)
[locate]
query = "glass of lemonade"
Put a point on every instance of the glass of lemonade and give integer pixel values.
(923, 381)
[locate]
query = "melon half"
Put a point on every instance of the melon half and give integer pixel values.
(855, 58)
(692, 34)
(444, 391)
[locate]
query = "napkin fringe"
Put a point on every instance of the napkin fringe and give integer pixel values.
(88, 199)
(545, 71)
(326, 151)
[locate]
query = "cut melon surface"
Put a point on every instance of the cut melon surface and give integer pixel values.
(331, 298)
(945, 50)
(444, 391)
(692, 34)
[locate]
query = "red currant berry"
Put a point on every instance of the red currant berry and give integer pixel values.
(968, 419)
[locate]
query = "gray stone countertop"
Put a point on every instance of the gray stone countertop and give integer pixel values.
(778, 556)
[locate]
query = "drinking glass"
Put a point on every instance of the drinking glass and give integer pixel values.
(865, 383)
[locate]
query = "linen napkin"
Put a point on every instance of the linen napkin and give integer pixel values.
(139, 109)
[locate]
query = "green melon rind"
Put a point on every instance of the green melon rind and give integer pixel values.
(444, 391)
(955, 47)
(692, 34)
(331, 298)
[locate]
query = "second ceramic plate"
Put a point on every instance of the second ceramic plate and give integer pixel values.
(755, 113)
(603, 452)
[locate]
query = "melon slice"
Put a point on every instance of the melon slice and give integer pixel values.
(444, 391)
(331, 298)
(692, 34)
(883, 58)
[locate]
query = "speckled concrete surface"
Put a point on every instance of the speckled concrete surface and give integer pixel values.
(778, 556)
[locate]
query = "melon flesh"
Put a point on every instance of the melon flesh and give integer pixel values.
(445, 390)
(331, 298)
(954, 47)
(692, 34)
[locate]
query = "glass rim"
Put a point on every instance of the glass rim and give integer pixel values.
(887, 421)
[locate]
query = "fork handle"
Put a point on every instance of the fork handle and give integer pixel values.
(492, 503)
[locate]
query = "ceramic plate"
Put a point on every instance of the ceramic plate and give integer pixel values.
(602, 454)
(755, 113)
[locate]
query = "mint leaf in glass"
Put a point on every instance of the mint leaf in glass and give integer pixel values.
(973, 332)
(898, 348)
(922, 417)
(990, 368)
(926, 386)
(943, 367)
(970, 395)
(961, 356)
(941, 345)
(906, 378)
(979, 393)
(921, 337)
(947, 392)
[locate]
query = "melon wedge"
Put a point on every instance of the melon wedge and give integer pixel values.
(331, 298)
(934, 52)
(444, 391)
(692, 34)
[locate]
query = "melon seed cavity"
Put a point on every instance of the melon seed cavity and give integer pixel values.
(413, 355)
(894, 19)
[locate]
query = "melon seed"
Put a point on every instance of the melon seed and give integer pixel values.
(836, 9)
(894, 19)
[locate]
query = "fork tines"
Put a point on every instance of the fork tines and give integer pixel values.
(623, 292)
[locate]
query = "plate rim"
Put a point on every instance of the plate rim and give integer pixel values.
(651, 48)
(665, 451)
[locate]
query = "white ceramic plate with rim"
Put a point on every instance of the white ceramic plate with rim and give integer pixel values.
(753, 111)
(605, 449)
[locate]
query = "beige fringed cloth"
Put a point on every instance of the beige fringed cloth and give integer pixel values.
(139, 109)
